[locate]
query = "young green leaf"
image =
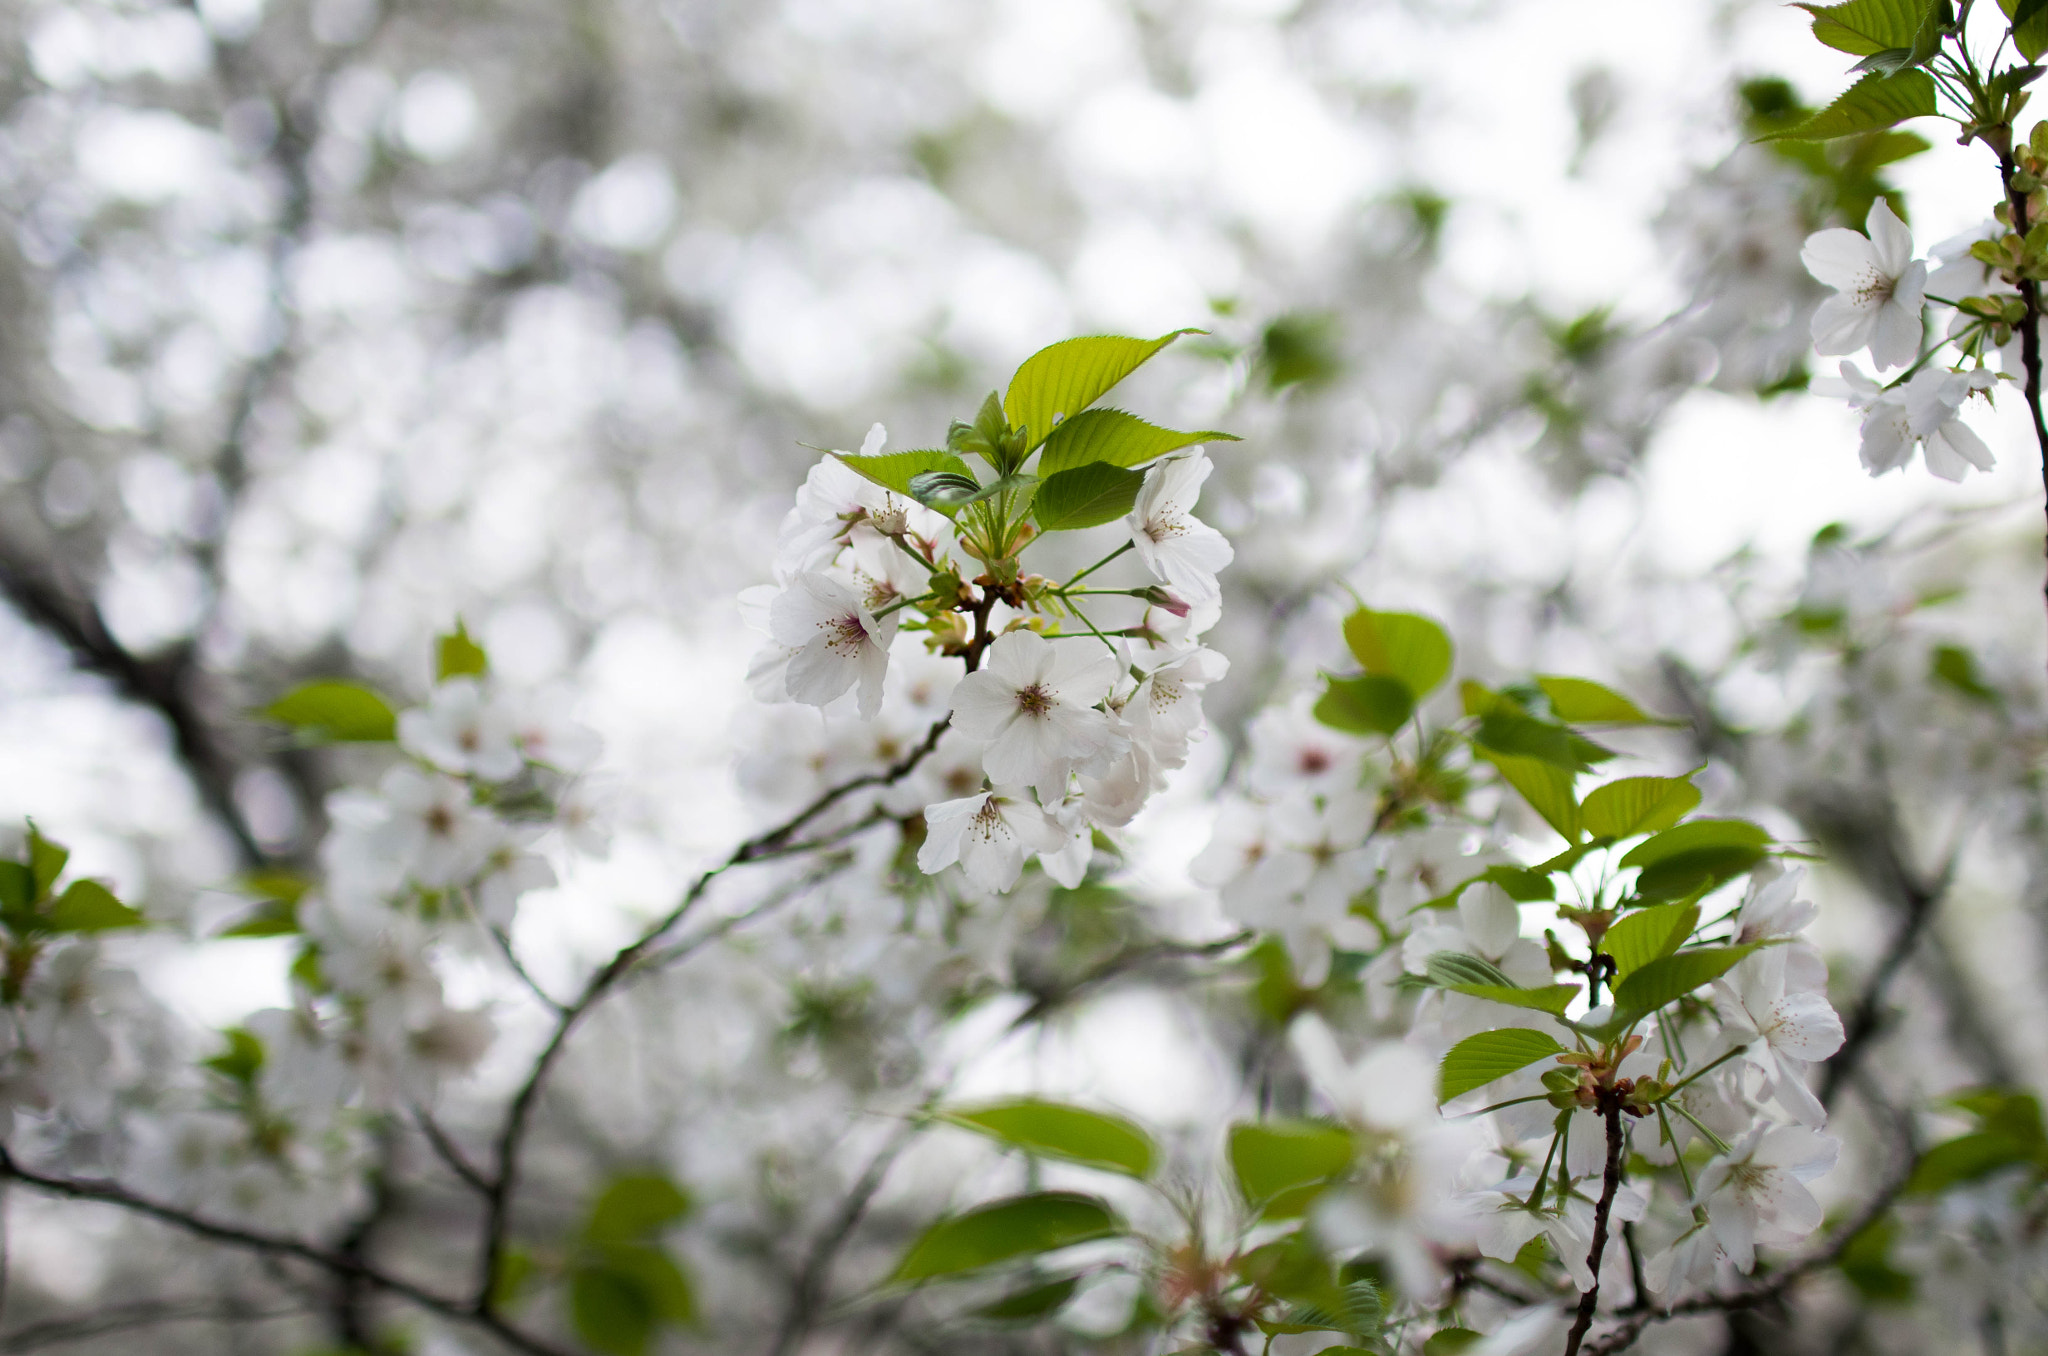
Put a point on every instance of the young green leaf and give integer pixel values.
(336, 712)
(1581, 701)
(457, 656)
(1060, 1131)
(1638, 938)
(1875, 102)
(17, 889)
(88, 906)
(1018, 1227)
(1372, 703)
(1272, 1157)
(45, 860)
(620, 1296)
(2029, 26)
(1400, 645)
(1117, 438)
(1545, 786)
(1695, 857)
(1086, 496)
(1526, 737)
(1864, 27)
(1551, 998)
(894, 470)
(1673, 977)
(1032, 1302)
(1064, 379)
(1633, 805)
(1478, 1060)
(1448, 968)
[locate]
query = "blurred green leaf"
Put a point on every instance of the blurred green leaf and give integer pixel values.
(88, 906)
(336, 712)
(635, 1207)
(45, 861)
(1370, 703)
(1957, 667)
(1863, 27)
(1400, 645)
(1032, 1302)
(458, 656)
(1301, 348)
(1270, 1158)
(1694, 857)
(1117, 438)
(241, 1061)
(1060, 1131)
(1546, 786)
(1581, 701)
(1672, 977)
(1551, 998)
(1060, 381)
(1018, 1227)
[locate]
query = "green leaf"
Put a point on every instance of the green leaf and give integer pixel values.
(272, 918)
(1274, 1157)
(1551, 998)
(1017, 1227)
(1060, 1131)
(1545, 786)
(88, 906)
(1526, 737)
(45, 860)
(1371, 703)
(515, 1274)
(1965, 1159)
(951, 491)
(1450, 1341)
(1357, 1309)
(1695, 857)
(1633, 805)
(1400, 645)
(1117, 438)
(1034, 1302)
(1064, 379)
(1875, 102)
(1447, 968)
(17, 888)
(1957, 667)
(241, 1061)
(619, 1298)
(1672, 977)
(1086, 496)
(1518, 883)
(1646, 935)
(894, 470)
(1866, 1263)
(2029, 30)
(1863, 27)
(1478, 1060)
(336, 712)
(635, 1207)
(457, 656)
(1581, 701)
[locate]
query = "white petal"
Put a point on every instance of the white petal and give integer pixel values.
(1890, 242)
(1842, 324)
(1840, 258)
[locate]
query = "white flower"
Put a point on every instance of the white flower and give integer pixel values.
(832, 498)
(1166, 710)
(990, 835)
(1773, 911)
(1033, 701)
(545, 734)
(836, 642)
(1176, 547)
(1688, 1264)
(1879, 289)
(1756, 1192)
(1933, 398)
(461, 731)
(434, 829)
(1783, 1032)
(508, 874)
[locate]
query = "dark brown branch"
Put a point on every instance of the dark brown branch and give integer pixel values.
(2030, 330)
(1610, 1183)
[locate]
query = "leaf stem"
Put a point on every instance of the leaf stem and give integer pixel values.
(1127, 546)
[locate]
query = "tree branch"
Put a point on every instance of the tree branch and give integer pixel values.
(142, 1314)
(1610, 1183)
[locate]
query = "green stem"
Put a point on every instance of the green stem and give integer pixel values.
(1712, 1138)
(1677, 1154)
(1535, 1201)
(1689, 1079)
(1127, 546)
(1091, 628)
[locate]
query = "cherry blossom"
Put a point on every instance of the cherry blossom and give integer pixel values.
(1879, 289)
(1033, 701)
(990, 835)
(834, 642)
(1176, 547)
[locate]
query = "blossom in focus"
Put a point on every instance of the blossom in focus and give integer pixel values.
(1782, 1031)
(1756, 1192)
(836, 642)
(1176, 547)
(989, 835)
(1034, 703)
(1879, 289)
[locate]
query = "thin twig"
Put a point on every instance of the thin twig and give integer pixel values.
(1610, 1183)
(808, 1290)
(142, 1314)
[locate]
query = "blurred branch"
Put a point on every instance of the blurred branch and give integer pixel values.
(1132, 960)
(164, 684)
(336, 1263)
(778, 841)
(808, 1289)
(141, 1314)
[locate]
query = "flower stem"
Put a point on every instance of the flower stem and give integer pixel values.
(1097, 565)
(1686, 1082)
